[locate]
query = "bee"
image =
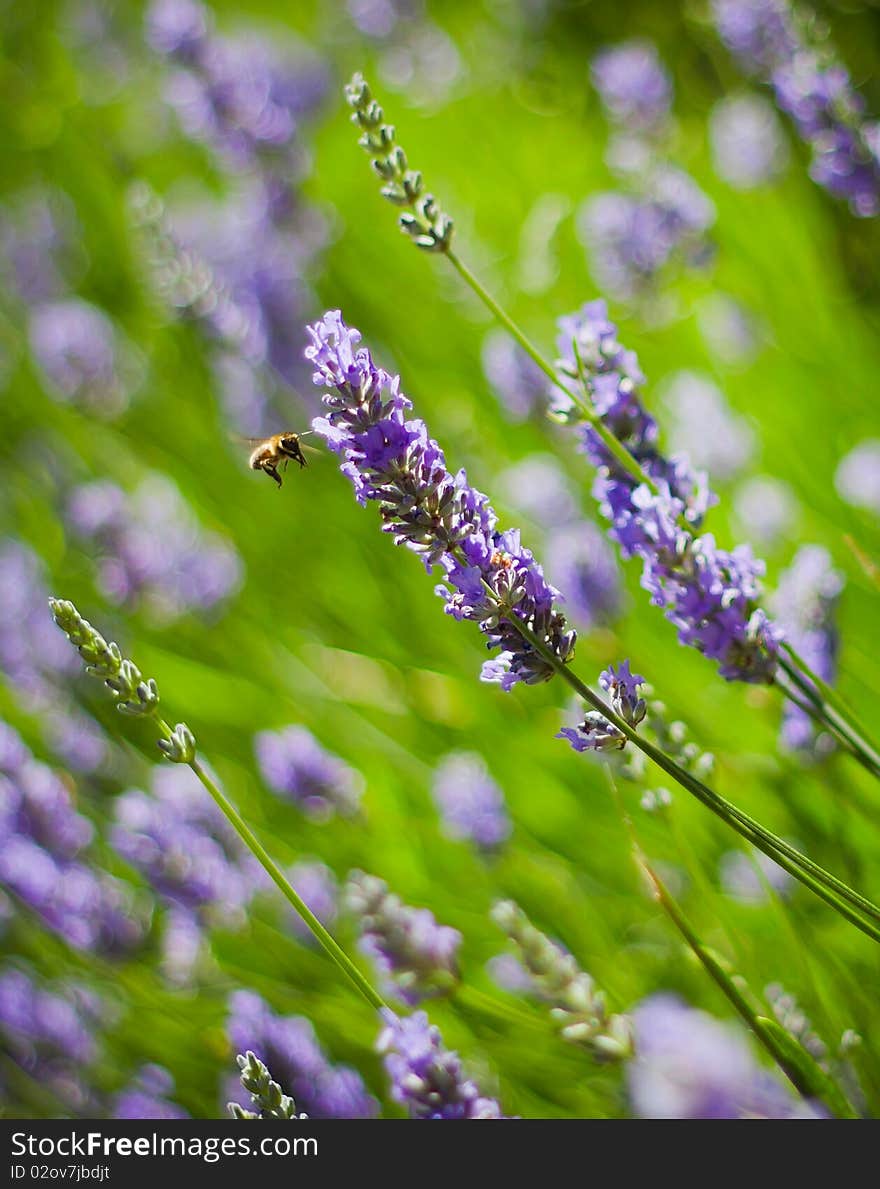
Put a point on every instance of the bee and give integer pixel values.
(271, 453)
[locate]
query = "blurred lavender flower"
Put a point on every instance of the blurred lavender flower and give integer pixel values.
(805, 602)
(49, 1030)
(151, 550)
(494, 580)
(184, 847)
(38, 237)
(747, 877)
(857, 477)
(43, 858)
(289, 1047)
(148, 1097)
(182, 946)
(379, 18)
(632, 237)
(633, 85)
(728, 329)
(470, 802)
(297, 768)
(708, 593)
(771, 41)
(80, 355)
(316, 884)
(766, 509)
(691, 1066)
(538, 487)
(415, 954)
(576, 1005)
(748, 146)
(581, 563)
(704, 427)
(514, 377)
(38, 662)
(791, 1016)
(426, 1078)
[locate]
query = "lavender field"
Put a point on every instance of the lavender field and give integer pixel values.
(440, 559)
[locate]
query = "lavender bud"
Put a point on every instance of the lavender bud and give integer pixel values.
(181, 747)
(266, 1095)
(576, 1005)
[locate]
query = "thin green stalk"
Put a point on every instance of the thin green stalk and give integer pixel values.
(334, 951)
(825, 885)
(835, 701)
(837, 724)
(611, 443)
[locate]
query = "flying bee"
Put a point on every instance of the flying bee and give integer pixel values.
(271, 453)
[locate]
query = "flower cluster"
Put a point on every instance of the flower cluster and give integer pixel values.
(690, 1066)
(748, 145)
(416, 955)
(298, 769)
(661, 214)
(576, 1005)
(49, 1030)
(147, 1097)
(288, 1046)
(426, 1078)
(805, 601)
(471, 804)
(44, 857)
(267, 1096)
(771, 41)
(489, 576)
(150, 550)
(710, 594)
(596, 732)
(37, 661)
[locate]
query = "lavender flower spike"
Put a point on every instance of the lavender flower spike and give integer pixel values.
(425, 1077)
(490, 578)
(596, 732)
(417, 955)
(267, 1096)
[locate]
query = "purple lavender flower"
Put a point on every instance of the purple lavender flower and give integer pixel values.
(37, 236)
(490, 578)
(805, 602)
(182, 945)
(691, 1066)
(709, 594)
(537, 487)
(632, 237)
(633, 85)
(416, 956)
(76, 349)
(180, 842)
(748, 147)
(316, 884)
(471, 803)
(514, 377)
(151, 551)
(746, 877)
(296, 767)
(595, 732)
(426, 1078)
(857, 478)
(703, 426)
(770, 41)
(289, 1047)
(43, 845)
(50, 1031)
(147, 1097)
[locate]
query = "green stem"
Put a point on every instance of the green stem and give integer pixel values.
(825, 885)
(271, 868)
(833, 699)
(611, 443)
(834, 721)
